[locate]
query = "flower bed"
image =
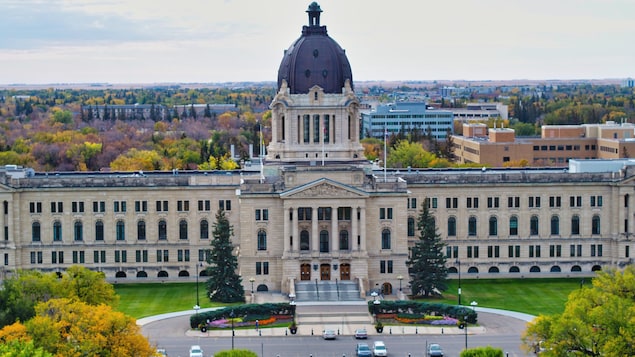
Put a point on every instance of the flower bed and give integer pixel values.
(238, 322)
(411, 319)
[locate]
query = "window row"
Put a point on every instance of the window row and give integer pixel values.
(534, 226)
(532, 251)
(119, 256)
(122, 206)
(515, 202)
(324, 240)
(120, 230)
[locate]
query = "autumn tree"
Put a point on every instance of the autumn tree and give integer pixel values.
(427, 259)
(70, 328)
(598, 320)
(88, 286)
(224, 284)
(409, 154)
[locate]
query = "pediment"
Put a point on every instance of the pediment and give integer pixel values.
(324, 189)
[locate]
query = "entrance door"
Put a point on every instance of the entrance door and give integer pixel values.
(386, 289)
(325, 272)
(345, 272)
(305, 272)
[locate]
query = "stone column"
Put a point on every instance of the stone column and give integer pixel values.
(334, 231)
(315, 235)
(287, 229)
(294, 230)
(354, 229)
(362, 227)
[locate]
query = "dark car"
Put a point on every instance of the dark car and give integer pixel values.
(435, 350)
(363, 350)
(361, 333)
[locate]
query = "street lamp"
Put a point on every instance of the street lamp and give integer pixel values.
(474, 304)
(375, 303)
(251, 280)
(292, 304)
(465, 319)
(400, 278)
(459, 270)
(197, 301)
(231, 317)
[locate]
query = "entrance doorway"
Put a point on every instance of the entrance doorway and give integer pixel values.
(305, 272)
(325, 272)
(345, 272)
(386, 289)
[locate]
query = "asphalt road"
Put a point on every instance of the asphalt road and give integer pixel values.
(500, 331)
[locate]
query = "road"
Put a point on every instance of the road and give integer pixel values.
(501, 331)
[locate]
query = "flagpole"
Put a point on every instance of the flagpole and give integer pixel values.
(385, 139)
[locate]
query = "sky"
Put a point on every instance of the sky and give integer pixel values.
(214, 41)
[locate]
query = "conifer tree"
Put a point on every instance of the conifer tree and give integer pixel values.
(427, 268)
(224, 284)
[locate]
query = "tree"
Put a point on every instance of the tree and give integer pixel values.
(224, 284)
(597, 321)
(65, 327)
(21, 292)
(427, 261)
(22, 349)
(88, 286)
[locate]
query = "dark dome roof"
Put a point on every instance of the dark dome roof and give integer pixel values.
(315, 59)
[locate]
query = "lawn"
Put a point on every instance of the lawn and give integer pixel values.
(532, 296)
(141, 300)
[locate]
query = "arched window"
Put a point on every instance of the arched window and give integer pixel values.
(262, 240)
(471, 226)
(99, 230)
(385, 239)
(36, 232)
(344, 243)
(163, 230)
(57, 231)
(121, 230)
(533, 226)
(513, 226)
(183, 229)
(411, 227)
(141, 230)
(595, 224)
(78, 231)
(304, 240)
(324, 241)
(204, 227)
(575, 225)
(555, 225)
(451, 227)
(493, 226)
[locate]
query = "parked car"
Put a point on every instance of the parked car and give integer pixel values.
(379, 349)
(363, 350)
(162, 352)
(329, 334)
(196, 351)
(435, 350)
(361, 333)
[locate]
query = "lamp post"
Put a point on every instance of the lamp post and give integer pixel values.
(375, 302)
(474, 304)
(251, 280)
(459, 270)
(231, 317)
(197, 306)
(292, 304)
(400, 278)
(465, 319)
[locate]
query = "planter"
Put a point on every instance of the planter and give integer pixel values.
(379, 329)
(203, 328)
(293, 330)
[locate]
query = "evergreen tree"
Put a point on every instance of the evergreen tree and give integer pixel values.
(224, 285)
(428, 272)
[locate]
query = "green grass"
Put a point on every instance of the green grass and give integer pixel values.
(532, 296)
(141, 300)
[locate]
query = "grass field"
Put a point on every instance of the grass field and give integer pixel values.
(532, 296)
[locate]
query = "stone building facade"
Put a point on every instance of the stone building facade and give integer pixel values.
(317, 212)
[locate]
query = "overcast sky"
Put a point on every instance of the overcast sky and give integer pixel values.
(157, 41)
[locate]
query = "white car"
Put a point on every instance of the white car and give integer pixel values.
(196, 351)
(379, 349)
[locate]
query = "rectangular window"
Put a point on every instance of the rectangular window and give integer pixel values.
(434, 202)
(77, 207)
(162, 206)
(258, 268)
(225, 205)
(382, 267)
(265, 268)
(141, 206)
(344, 213)
(204, 205)
(472, 202)
(389, 262)
(183, 206)
(35, 207)
(493, 202)
(534, 202)
(452, 202)
(555, 201)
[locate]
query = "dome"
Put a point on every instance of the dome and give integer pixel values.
(314, 59)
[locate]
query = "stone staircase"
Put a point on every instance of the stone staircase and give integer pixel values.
(327, 290)
(342, 318)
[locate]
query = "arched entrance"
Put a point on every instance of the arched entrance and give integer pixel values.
(386, 289)
(325, 271)
(305, 272)
(345, 272)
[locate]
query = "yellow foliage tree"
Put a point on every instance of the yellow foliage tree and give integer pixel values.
(71, 328)
(135, 160)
